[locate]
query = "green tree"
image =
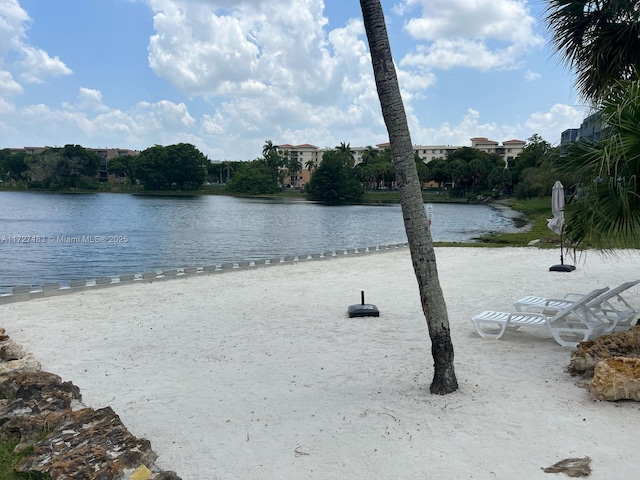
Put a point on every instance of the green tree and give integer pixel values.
(122, 166)
(439, 170)
(149, 168)
(333, 180)
(469, 169)
(12, 165)
(499, 181)
(187, 166)
(253, 178)
(414, 214)
(228, 168)
(346, 149)
(58, 168)
(311, 165)
(532, 156)
(294, 166)
(78, 161)
(376, 169)
(274, 161)
(423, 171)
(606, 211)
(175, 167)
(599, 40)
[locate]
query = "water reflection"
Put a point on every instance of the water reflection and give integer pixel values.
(119, 233)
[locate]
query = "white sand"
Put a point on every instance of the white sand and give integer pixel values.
(260, 374)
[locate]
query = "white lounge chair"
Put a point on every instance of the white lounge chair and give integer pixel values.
(569, 326)
(610, 306)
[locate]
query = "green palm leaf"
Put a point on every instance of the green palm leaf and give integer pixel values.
(606, 173)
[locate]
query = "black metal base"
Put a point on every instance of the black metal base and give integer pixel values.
(562, 268)
(363, 310)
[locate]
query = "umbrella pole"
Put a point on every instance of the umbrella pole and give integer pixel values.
(562, 267)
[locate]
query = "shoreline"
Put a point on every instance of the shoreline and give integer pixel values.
(24, 293)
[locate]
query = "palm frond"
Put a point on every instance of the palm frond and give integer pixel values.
(598, 39)
(607, 175)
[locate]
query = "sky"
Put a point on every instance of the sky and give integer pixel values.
(228, 75)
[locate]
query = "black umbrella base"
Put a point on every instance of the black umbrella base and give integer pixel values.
(363, 310)
(562, 268)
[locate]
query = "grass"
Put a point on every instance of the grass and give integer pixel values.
(9, 459)
(537, 211)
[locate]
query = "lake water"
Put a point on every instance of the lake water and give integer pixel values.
(46, 237)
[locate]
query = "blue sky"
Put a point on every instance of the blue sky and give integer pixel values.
(226, 75)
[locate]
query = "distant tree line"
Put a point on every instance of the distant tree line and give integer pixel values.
(467, 172)
(174, 167)
(70, 166)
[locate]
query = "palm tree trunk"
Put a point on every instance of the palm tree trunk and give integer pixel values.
(415, 218)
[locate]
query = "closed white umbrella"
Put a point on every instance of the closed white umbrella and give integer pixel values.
(556, 224)
(557, 208)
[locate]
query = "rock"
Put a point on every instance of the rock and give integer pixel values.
(35, 403)
(39, 387)
(616, 378)
(167, 475)
(24, 365)
(587, 355)
(88, 444)
(68, 440)
(11, 351)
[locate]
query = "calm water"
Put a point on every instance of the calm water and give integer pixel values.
(59, 237)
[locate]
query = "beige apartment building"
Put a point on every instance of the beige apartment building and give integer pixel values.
(310, 156)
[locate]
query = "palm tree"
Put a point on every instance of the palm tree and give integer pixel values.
(269, 149)
(346, 148)
(228, 168)
(415, 217)
(311, 164)
(369, 153)
(607, 214)
(294, 166)
(599, 40)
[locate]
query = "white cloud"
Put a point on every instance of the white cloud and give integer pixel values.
(459, 134)
(88, 100)
(36, 65)
(447, 54)
(12, 24)
(530, 76)
(33, 64)
(481, 34)
(551, 124)
(255, 70)
(268, 68)
(8, 86)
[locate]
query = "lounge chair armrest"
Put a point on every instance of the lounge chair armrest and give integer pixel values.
(571, 295)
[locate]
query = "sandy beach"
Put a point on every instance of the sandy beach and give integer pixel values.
(260, 374)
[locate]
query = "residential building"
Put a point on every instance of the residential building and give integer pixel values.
(306, 153)
(105, 155)
(591, 128)
(309, 156)
(569, 135)
(509, 149)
